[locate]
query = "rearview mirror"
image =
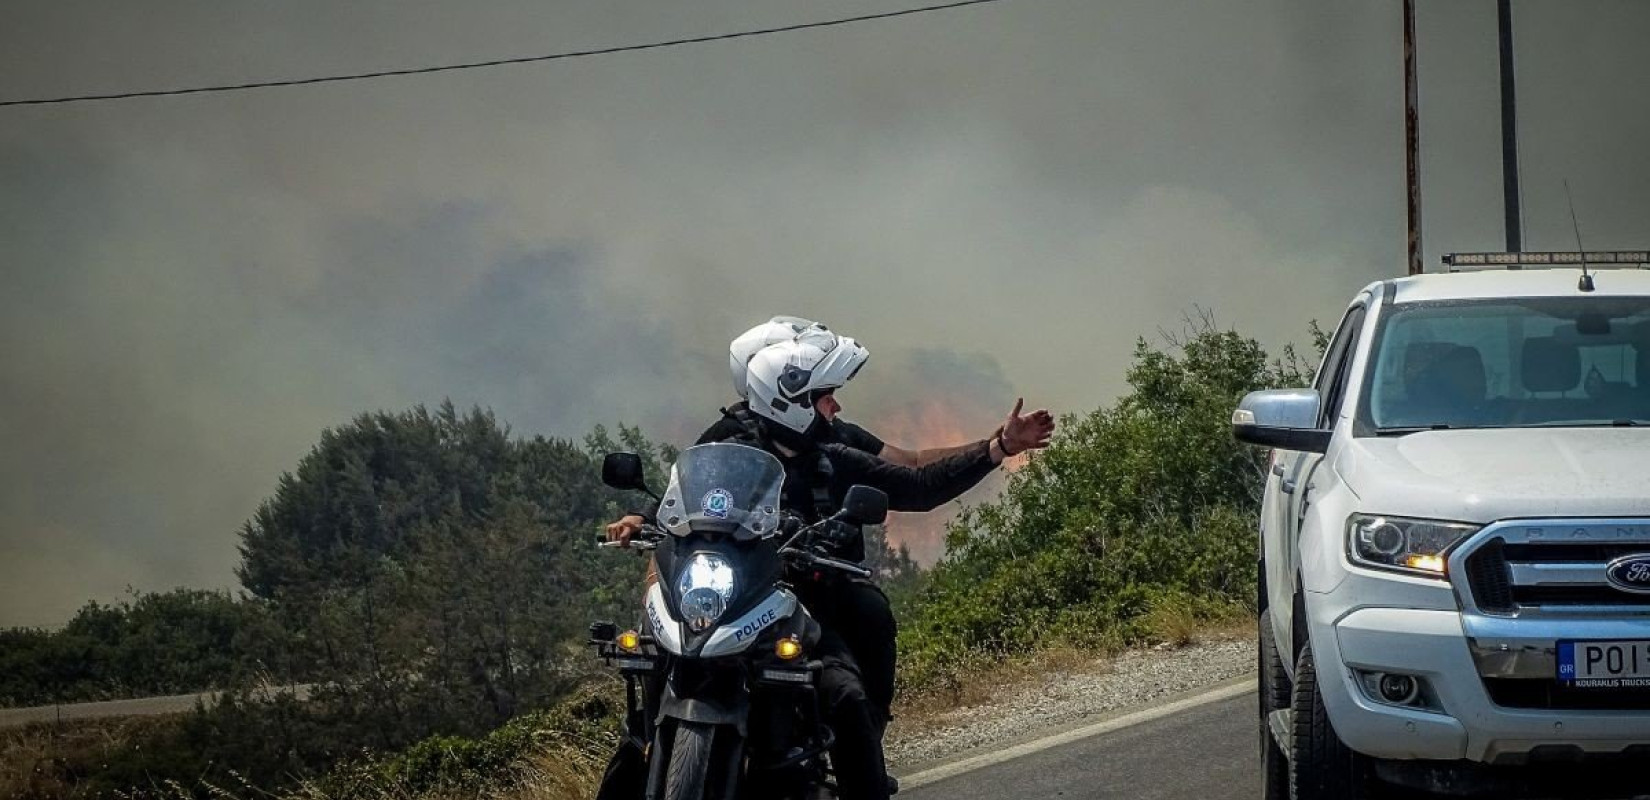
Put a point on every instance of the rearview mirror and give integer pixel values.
(1283, 418)
(865, 505)
(624, 471)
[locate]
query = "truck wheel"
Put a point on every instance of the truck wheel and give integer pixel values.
(1322, 766)
(1274, 696)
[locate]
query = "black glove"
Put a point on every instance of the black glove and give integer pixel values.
(838, 535)
(789, 525)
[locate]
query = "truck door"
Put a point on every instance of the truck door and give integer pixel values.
(1294, 470)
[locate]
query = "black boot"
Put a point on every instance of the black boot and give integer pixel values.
(861, 773)
(626, 775)
(882, 729)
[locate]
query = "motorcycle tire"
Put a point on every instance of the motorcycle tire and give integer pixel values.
(690, 758)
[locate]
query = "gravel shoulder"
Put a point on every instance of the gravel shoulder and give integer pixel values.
(1065, 696)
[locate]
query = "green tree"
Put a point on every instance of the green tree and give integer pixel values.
(428, 572)
(437, 568)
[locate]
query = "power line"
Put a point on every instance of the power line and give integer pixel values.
(360, 76)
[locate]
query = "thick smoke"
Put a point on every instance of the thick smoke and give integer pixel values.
(191, 288)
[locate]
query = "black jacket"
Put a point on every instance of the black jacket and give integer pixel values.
(842, 431)
(840, 466)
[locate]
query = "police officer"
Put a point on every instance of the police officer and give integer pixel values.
(1035, 427)
(790, 388)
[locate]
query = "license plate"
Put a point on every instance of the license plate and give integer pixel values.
(1605, 665)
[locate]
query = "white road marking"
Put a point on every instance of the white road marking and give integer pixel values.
(1224, 691)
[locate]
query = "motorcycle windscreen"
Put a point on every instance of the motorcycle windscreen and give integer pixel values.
(725, 488)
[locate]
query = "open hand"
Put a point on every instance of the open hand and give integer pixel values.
(1029, 432)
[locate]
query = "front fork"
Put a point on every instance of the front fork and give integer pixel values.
(797, 741)
(641, 708)
(643, 670)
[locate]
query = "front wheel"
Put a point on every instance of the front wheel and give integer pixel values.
(1274, 696)
(689, 761)
(704, 763)
(1321, 766)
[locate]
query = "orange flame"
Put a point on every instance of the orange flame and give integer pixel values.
(937, 423)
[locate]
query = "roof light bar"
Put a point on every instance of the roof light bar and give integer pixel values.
(1532, 259)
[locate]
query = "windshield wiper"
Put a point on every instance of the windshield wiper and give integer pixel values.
(1409, 429)
(1591, 423)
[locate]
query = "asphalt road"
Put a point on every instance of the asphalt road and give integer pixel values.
(1206, 752)
(137, 707)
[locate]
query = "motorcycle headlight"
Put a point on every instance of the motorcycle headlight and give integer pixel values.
(706, 589)
(1415, 546)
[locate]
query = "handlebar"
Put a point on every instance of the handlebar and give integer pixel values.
(813, 560)
(647, 538)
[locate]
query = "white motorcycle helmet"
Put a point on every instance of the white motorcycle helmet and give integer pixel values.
(748, 344)
(784, 379)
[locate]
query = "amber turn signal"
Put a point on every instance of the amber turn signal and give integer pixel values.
(629, 640)
(787, 648)
(1426, 562)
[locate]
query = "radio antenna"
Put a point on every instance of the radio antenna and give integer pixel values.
(1586, 282)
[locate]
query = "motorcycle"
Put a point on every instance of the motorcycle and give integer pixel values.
(721, 690)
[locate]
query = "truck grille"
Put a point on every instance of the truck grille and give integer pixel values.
(1490, 578)
(1525, 586)
(1512, 575)
(1549, 694)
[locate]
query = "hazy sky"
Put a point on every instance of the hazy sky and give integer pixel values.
(996, 199)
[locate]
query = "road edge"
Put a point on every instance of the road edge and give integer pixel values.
(924, 775)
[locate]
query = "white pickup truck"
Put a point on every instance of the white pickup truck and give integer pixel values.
(1455, 542)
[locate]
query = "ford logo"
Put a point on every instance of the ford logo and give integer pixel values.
(1630, 573)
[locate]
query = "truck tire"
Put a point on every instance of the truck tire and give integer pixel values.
(1274, 695)
(690, 756)
(1322, 767)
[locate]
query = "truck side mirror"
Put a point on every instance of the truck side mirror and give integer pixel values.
(1286, 419)
(865, 505)
(624, 471)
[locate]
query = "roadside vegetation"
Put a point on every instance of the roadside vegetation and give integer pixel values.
(1137, 524)
(430, 576)
(158, 643)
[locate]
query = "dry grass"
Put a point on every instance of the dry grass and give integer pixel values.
(557, 775)
(1172, 623)
(32, 757)
(1178, 621)
(562, 771)
(986, 679)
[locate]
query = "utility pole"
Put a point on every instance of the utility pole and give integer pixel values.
(1509, 130)
(1412, 140)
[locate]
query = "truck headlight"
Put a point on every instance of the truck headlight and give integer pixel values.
(706, 588)
(1415, 546)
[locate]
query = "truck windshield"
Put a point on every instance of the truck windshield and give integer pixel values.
(1520, 362)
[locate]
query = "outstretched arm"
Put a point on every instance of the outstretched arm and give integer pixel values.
(918, 488)
(1018, 433)
(894, 454)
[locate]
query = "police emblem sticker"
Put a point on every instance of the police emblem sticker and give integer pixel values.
(716, 504)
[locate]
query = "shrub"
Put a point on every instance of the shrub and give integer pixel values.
(1138, 522)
